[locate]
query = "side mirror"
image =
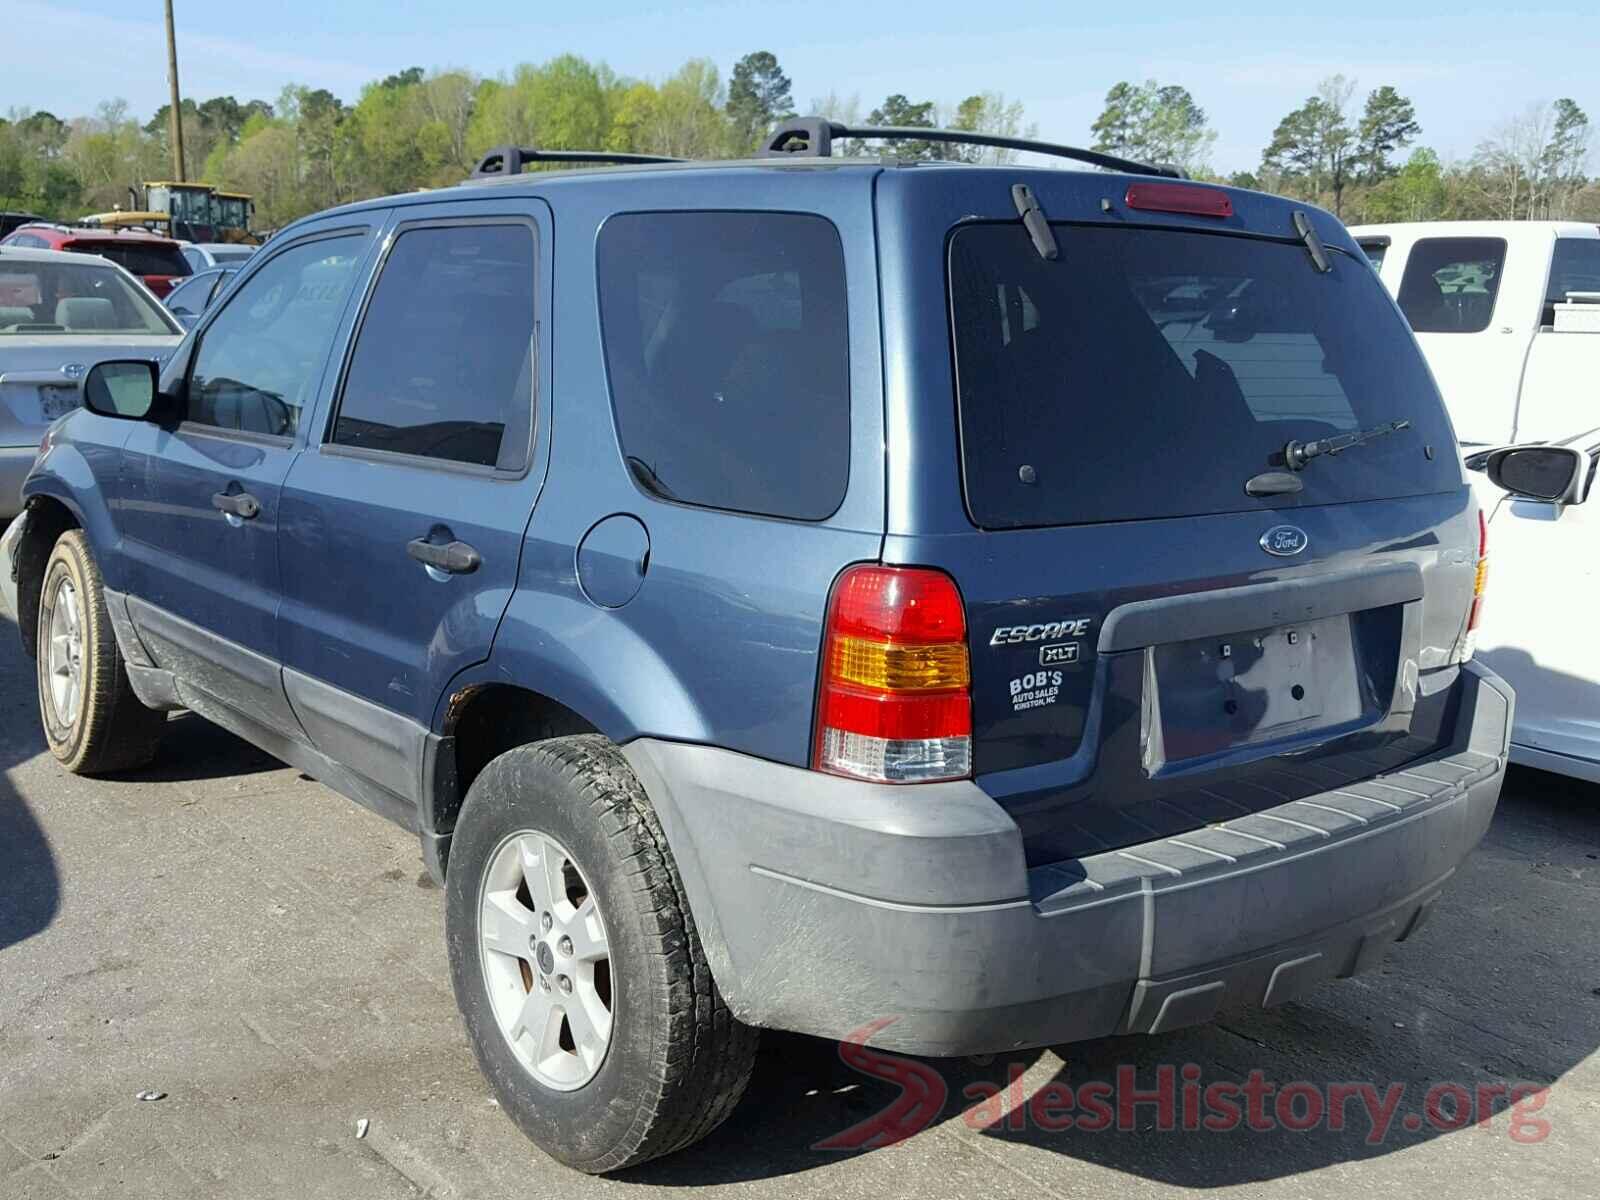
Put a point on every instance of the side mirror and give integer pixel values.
(1557, 474)
(125, 389)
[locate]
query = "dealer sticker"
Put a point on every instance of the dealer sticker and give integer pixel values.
(1035, 690)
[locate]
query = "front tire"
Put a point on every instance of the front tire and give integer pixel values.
(576, 965)
(92, 721)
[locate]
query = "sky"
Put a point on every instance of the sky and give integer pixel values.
(1469, 65)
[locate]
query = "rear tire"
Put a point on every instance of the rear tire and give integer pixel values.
(674, 1061)
(92, 721)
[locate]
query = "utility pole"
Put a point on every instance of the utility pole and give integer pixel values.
(175, 117)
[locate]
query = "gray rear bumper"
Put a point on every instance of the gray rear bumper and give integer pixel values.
(826, 904)
(15, 463)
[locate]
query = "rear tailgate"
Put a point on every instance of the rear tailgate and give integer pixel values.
(1153, 647)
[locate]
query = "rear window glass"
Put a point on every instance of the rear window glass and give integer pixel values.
(1574, 267)
(1450, 284)
(137, 260)
(39, 298)
(1151, 374)
(725, 342)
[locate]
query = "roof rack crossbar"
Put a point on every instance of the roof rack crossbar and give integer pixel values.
(813, 137)
(509, 160)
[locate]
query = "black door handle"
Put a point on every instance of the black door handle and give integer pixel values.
(458, 558)
(238, 504)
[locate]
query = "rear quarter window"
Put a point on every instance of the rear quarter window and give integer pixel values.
(726, 348)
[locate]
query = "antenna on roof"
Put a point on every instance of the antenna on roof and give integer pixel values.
(509, 160)
(813, 137)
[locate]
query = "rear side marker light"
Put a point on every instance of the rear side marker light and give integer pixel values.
(895, 705)
(1480, 585)
(1187, 198)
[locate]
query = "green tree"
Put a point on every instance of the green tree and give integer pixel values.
(1312, 146)
(1388, 123)
(990, 113)
(562, 104)
(42, 132)
(898, 112)
(410, 77)
(689, 117)
(1564, 157)
(633, 113)
(1153, 122)
(758, 97)
(1416, 191)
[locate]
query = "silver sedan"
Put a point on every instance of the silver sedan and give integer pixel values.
(60, 313)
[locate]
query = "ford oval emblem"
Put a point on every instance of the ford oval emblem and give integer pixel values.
(1284, 540)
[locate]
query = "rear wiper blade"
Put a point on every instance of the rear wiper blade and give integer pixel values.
(1297, 453)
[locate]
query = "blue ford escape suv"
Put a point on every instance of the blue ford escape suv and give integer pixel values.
(989, 605)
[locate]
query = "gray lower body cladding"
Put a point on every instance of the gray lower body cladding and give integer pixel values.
(826, 905)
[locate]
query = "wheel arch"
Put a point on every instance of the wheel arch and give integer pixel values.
(484, 720)
(48, 518)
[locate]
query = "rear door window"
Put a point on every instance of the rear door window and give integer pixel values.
(1152, 373)
(1574, 267)
(443, 362)
(726, 347)
(1450, 284)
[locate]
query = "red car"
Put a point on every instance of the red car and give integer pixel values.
(157, 261)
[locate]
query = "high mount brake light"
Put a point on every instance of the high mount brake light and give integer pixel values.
(895, 704)
(1187, 198)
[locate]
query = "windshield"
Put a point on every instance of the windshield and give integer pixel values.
(44, 298)
(1152, 373)
(231, 213)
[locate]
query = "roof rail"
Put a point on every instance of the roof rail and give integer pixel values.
(813, 137)
(509, 160)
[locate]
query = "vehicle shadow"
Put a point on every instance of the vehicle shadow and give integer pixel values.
(30, 884)
(1494, 994)
(193, 750)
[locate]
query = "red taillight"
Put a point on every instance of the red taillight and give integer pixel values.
(895, 704)
(1481, 579)
(1188, 198)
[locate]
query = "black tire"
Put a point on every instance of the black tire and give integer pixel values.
(678, 1061)
(110, 730)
